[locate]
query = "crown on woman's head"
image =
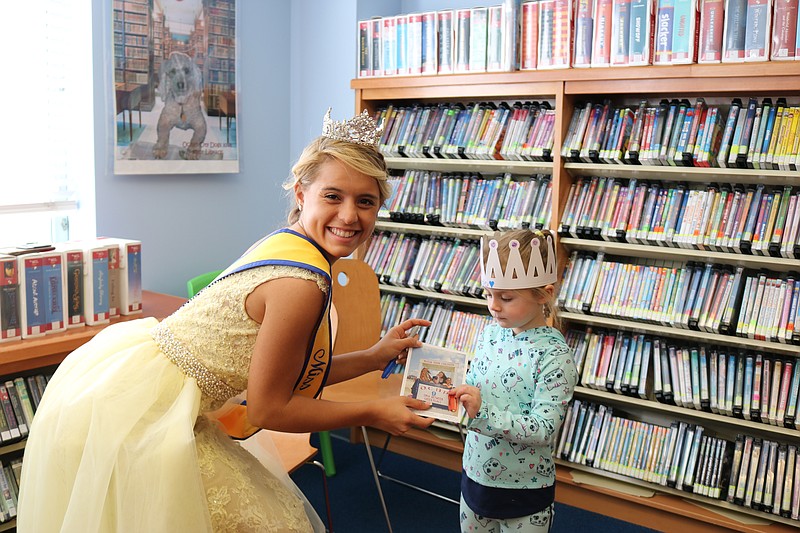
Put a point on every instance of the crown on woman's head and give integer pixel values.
(516, 276)
(361, 129)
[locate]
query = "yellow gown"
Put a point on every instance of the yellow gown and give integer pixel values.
(119, 443)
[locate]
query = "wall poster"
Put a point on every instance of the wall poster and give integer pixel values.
(175, 86)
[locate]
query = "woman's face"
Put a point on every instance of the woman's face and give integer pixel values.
(339, 209)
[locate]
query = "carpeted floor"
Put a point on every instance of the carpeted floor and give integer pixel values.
(356, 507)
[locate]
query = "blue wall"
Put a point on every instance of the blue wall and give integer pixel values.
(296, 58)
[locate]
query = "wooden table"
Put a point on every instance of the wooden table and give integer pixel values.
(129, 97)
(227, 105)
(29, 354)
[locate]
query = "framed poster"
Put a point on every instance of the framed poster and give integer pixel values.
(174, 86)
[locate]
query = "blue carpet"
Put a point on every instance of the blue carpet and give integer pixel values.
(356, 507)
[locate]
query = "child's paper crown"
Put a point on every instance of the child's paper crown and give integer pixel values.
(516, 276)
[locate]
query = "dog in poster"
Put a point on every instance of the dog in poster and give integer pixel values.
(180, 87)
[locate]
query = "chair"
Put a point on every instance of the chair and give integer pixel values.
(194, 285)
(199, 282)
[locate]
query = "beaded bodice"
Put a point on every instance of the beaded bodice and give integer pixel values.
(211, 337)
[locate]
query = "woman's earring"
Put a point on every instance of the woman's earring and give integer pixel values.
(299, 206)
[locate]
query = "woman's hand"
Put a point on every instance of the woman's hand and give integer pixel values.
(470, 398)
(394, 416)
(396, 342)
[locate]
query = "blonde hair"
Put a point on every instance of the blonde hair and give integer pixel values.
(361, 158)
(524, 237)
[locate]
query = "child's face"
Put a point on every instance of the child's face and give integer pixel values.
(518, 310)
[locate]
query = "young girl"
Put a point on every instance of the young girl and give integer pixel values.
(518, 387)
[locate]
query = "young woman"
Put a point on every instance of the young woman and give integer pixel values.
(120, 443)
(518, 387)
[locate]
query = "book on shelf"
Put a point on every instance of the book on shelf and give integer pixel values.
(784, 31)
(529, 35)
(478, 39)
(446, 24)
(734, 31)
(10, 304)
(757, 30)
(462, 23)
(620, 32)
(712, 20)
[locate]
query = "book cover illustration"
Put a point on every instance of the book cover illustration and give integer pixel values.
(430, 372)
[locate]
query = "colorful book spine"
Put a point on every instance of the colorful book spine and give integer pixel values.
(712, 20)
(602, 34)
(757, 30)
(734, 31)
(784, 30)
(584, 27)
(665, 21)
(529, 42)
(10, 305)
(620, 32)
(641, 32)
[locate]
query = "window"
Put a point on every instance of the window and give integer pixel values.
(47, 191)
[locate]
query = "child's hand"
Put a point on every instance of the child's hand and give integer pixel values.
(470, 398)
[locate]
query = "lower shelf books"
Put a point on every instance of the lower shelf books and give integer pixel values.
(728, 382)
(706, 297)
(760, 474)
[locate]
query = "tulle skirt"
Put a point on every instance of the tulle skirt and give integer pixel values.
(117, 445)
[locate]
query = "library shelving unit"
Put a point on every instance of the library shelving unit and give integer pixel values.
(133, 35)
(219, 73)
(42, 355)
(615, 495)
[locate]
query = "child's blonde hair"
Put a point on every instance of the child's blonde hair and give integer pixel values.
(361, 158)
(525, 237)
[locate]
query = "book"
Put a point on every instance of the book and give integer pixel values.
(641, 32)
(684, 33)
(430, 372)
(757, 30)
(665, 22)
(31, 278)
(529, 40)
(712, 19)
(584, 27)
(784, 30)
(620, 32)
(602, 33)
(10, 305)
(734, 31)
(446, 41)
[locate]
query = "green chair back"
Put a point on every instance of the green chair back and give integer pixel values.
(197, 283)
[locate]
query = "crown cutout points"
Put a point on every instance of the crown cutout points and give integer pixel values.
(361, 129)
(516, 276)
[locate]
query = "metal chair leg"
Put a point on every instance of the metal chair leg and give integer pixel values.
(377, 479)
(325, 492)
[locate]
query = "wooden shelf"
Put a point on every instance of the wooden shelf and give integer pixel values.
(685, 334)
(681, 254)
(427, 295)
(637, 403)
(566, 88)
(423, 229)
(692, 174)
(471, 165)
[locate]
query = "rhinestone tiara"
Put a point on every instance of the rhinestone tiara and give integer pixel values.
(361, 129)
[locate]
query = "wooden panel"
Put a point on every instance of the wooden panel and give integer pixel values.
(357, 300)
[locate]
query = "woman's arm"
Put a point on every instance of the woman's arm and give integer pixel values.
(288, 309)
